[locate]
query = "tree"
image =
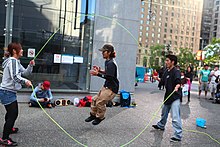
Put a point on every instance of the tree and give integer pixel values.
(186, 58)
(155, 53)
(212, 52)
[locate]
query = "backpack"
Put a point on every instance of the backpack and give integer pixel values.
(125, 98)
(85, 102)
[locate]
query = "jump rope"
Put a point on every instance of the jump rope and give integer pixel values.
(152, 118)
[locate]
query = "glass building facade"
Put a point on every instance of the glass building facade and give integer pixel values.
(58, 33)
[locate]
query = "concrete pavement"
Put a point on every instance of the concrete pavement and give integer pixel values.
(120, 126)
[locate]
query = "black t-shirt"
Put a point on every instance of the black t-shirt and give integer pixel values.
(189, 75)
(171, 79)
(110, 75)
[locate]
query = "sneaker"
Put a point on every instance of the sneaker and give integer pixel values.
(29, 104)
(158, 128)
(14, 130)
(90, 118)
(97, 121)
(211, 98)
(49, 105)
(8, 142)
(173, 139)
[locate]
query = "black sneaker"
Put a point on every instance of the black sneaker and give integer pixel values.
(14, 130)
(211, 98)
(97, 121)
(158, 128)
(90, 118)
(173, 139)
(8, 142)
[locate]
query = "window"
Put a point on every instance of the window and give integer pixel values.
(140, 33)
(214, 34)
(152, 35)
(140, 39)
(139, 51)
(142, 15)
(142, 9)
(158, 35)
(147, 28)
(159, 30)
(216, 15)
(217, 2)
(216, 21)
(165, 36)
(160, 24)
(142, 21)
(141, 27)
(147, 34)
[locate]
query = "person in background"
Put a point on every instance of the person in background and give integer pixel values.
(172, 82)
(155, 75)
(136, 78)
(214, 74)
(204, 80)
(12, 80)
(110, 88)
(189, 76)
(42, 94)
(160, 73)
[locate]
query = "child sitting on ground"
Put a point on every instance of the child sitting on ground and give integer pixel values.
(42, 94)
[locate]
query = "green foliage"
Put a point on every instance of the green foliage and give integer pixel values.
(186, 58)
(155, 53)
(212, 52)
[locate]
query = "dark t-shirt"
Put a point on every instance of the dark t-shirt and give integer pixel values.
(171, 79)
(111, 75)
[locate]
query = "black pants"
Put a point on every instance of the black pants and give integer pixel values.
(188, 96)
(10, 117)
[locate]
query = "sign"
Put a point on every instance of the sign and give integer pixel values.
(31, 52)
(57, 58)
(78, 59)
(67, 59)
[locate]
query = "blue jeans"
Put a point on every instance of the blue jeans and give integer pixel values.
(7, 97)
(176, 119)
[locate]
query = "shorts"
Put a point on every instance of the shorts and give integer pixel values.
(204, 86)
(7, 97)
(212, 87)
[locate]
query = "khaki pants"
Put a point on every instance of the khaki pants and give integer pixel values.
(99, 101)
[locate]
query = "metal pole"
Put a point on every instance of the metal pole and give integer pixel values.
(9, 21)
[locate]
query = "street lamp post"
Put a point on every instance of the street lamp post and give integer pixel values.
(9, 21)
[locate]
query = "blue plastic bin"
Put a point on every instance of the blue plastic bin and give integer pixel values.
(200, 122)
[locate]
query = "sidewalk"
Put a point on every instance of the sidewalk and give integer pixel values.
(120, 126)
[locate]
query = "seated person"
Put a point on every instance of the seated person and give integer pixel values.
(41, 93)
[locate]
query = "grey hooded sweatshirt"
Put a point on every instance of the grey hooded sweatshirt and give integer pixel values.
(13, 70)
